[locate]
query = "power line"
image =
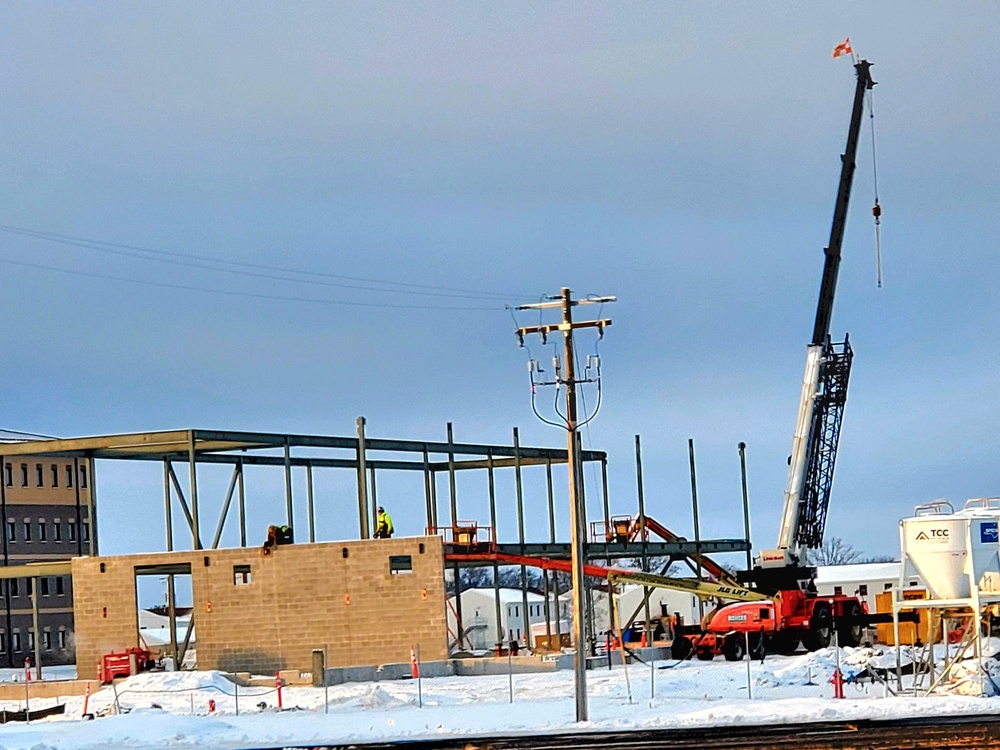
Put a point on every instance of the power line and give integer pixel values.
(234, 293)
(237, 267)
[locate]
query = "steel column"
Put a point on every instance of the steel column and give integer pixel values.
(6, 561)
(493, 525)
(643, 535)
(453, 500)
(520, 536)
(242, 505)
(289, 513)
(697, 524)
(95, 548)
(309, 504)
(167, 511)
(552, 539)
(193, 467)
(427, 492)
(746, 501)
(362, 482)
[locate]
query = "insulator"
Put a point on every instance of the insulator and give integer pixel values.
(876, 210)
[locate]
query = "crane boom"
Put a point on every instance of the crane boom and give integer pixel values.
(824, 386)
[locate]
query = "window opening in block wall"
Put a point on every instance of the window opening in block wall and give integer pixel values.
(242, 575)
(400, 564)
(69, 476)
(152, 595)
(39, 476)
(55, 475)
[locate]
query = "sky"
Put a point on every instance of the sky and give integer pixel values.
(465, 158)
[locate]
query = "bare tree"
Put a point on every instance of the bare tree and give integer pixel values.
(878, 559)
(835, 551)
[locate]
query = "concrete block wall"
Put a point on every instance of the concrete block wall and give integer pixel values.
(303, 596)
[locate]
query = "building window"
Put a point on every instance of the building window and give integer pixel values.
(241, 575)
(12, 587)
(27, 531)
(3, 643)
(42, 533)
(71, 531)
(31, 640)
(45, 586)
(59, 586)
(55, 475)
(69, 476)
(86, 531)
(61, 638)
(887, 587)
(400, 564)
(39, 476)
(863, 589)
(838, 590)
(15, 641)
(24, 475)
(83, 477)
(8, 475)
(46, 640)
(56, 531)
(11, 531)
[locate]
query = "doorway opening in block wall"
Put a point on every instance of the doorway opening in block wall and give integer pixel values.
(165, 616)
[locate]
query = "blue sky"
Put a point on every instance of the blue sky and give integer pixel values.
(682, 156)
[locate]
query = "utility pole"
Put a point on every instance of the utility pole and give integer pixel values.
(570, 422)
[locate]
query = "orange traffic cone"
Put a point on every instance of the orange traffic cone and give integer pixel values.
(414, 666)
(642, 643)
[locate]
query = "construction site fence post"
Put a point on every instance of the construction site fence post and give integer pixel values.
(510, 675)
(652, 678)
(236, 694)
(420, 681)
(326, 682)
(27, 706)
(749, 658)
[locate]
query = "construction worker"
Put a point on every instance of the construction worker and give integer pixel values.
(383, 524)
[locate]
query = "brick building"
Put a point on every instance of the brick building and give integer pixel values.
(45, 512)
(368, 601)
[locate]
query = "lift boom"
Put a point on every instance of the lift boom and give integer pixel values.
(824, 386)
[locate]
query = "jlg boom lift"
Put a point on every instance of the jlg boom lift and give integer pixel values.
(794, 612)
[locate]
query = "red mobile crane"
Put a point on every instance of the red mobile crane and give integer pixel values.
(794, 612)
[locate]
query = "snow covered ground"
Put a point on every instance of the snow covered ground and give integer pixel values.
(171, 709)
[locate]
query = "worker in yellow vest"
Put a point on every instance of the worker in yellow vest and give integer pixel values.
(383, 524)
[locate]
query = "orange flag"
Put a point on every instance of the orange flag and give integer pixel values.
(844, 48)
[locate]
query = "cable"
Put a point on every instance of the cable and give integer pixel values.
(876, 209)
(233, 293)
(196, 261)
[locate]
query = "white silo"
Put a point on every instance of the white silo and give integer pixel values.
(953, 552)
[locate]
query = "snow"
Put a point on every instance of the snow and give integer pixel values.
(857, 573)
(171, 709)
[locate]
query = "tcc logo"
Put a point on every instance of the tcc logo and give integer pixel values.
(939, 534)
